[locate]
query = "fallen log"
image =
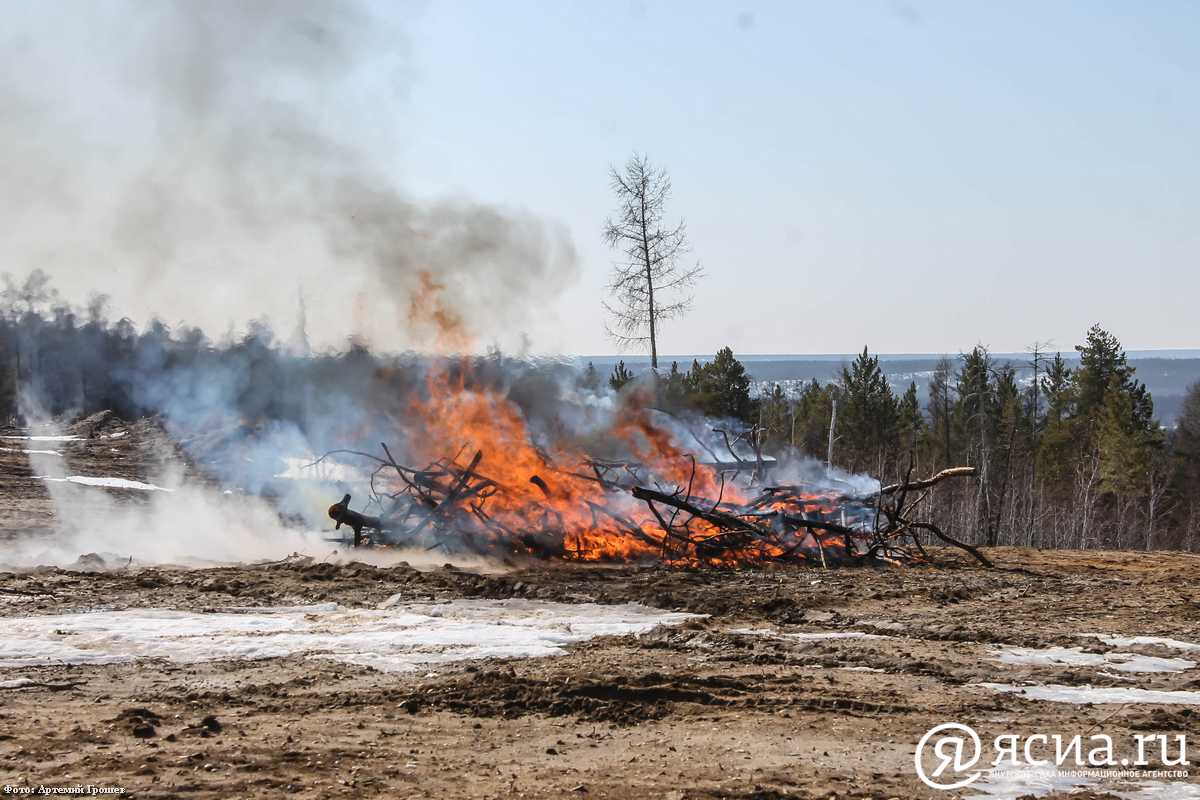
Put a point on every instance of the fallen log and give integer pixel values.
(908, 486)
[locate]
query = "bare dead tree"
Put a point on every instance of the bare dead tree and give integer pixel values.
(649, 284)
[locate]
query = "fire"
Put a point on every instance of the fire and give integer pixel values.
(428, 311)
(495, 486)
(545, 488)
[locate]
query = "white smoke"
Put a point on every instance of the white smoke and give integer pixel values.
(181, 524)
(200, 160)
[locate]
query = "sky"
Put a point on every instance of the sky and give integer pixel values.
(913, 176)
(908, 175)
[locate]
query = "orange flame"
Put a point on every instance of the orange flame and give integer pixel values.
(428, 311)
(547, 498)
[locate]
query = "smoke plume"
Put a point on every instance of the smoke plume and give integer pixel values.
(204, 160)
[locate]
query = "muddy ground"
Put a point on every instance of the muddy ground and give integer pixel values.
(703, 710)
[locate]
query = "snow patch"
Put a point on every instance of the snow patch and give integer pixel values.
(45, 438)
(1027, 780)
(31, 452)
(1161, 790)
(1133, 641)
(399, 637)
(1076, 657)
(112, 483)
(1009, 782)
(1078, 695)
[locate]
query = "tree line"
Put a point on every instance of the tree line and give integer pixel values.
(1072, 458)
(1069, 457)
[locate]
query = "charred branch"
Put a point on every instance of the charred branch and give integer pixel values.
(457, 505)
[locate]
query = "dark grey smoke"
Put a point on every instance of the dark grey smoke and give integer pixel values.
(202, 160)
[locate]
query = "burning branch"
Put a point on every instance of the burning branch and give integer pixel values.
(586, 516)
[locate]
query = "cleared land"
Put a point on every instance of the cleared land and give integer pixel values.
(728, 705)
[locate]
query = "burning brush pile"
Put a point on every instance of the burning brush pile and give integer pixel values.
(495, 491)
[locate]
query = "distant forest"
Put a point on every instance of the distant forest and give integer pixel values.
(1167, 378)
(1074, 456)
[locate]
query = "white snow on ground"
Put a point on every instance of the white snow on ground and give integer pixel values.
(395, 637)
(113, 483)
(1007, 782)
(1088, 694)
(45, 438)
(1133, 641)
(1161, 790)
(807, 637)
(31, 452)
(1075, 657)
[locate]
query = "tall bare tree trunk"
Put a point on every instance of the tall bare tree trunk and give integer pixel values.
(649, 283)
(832, 428)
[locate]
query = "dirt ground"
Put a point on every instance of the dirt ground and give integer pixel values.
(703, 710)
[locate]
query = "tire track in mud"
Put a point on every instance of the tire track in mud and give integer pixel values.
(622, 700)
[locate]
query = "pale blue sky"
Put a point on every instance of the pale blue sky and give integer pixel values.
(912, 175)
(916, 176)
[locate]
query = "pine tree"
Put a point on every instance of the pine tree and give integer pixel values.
(1103, 368)
(675, 390)
(1060, 445)
(867, 415)
(976, 402)
(1123, 446)
(721, 387)
(1101, 360)
(775, 416)
(810, 426)
(1056, 386)
(620, 376)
